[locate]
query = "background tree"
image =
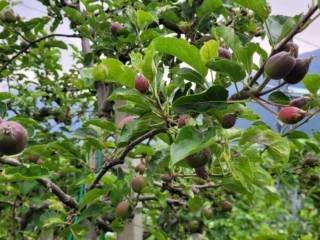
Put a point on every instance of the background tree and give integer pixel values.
(175, 65)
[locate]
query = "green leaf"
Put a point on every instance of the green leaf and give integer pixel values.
(207, 7)
(101, 123)
(189, 140)
(211, 98)
(118, 73)
(279, 26)
(3, 109)
(279, 97)
(130, 95)
(21, 173)
(258, 6)
(245, 55)
(196, 203)
(138, 127)
(144, 18)
(181, 49)
(99, 72)
(5, 95)
(190, 75)
(92, 195)
(277, 147)
(93, 210)
(3, 4)
(312, 83)
(209, 50)
(229, 36)
(74, 15)
(229, 67)
(53, 221)
(56, 43)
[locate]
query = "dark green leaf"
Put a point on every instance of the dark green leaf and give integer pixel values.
(207, 7)
(101, 123)
(279, 97)
(211, 98)
(181, 49)
(229, 67)
(92, 195)
(189, 140)
(190, 75)
(22, 173)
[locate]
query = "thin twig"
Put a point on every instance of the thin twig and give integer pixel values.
(273, 103)
(120, 159)
(32, 43)
(272, 89)
(264, 106)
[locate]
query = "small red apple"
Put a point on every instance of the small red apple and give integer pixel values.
(141, 84)
(291, 115)
(116, 27)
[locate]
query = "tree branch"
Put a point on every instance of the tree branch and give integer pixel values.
(55, 189)
(120, 159)
(32, 43)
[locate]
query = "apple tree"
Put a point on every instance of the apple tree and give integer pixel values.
(185, 74)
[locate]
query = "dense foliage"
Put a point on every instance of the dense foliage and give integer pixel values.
(184, 73)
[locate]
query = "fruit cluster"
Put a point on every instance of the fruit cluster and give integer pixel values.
(285, 65)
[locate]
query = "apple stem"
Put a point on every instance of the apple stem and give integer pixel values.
(264, 106)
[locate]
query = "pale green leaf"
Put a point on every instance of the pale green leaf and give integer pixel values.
(209, 50)
(312, 83)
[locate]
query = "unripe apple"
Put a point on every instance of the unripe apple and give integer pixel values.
(123, 209)
(141, 84)
(300, 102)
(182, 120)
(140, 168)
(299, 71)
(229, 120)
(311, 162)
(125, 121)
(224, 53)
(207, 212)
(279, 65)
(226, 205)
(293, 47)
(13, 137)
(199, 159)
(34, 158)
(291, 115)
(138, 183)
(116, 27)
(202, 172)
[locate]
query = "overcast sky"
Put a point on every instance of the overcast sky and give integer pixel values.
(309, 40)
